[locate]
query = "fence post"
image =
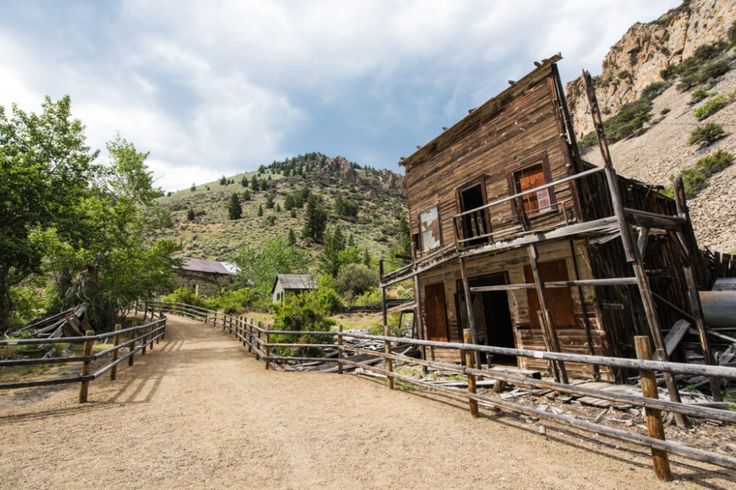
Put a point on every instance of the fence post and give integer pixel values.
(133, 334)
(115, 353)
(250, 334)
(655, 428)
(470, 363)
(389, 365)
(268, 350)
(339, 350)
(258, 341)
(84, 387)
(143, 341)
(150, 335)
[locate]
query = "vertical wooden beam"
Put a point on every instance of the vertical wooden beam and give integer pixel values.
(340, 352)
(586, 322)
(422, 333)
(84, 387)
(696, 308)
(384, 311)
(267, 350)
(472, 404)
(131, 347)
(648, 380)
(389, 365)
(115, 353)
(548, 329)
(468, 307)
(630, 250)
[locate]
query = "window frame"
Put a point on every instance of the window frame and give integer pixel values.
(542, 160)
(440, 239)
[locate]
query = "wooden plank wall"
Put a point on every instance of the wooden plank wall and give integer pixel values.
(572, 340)
(525, 130)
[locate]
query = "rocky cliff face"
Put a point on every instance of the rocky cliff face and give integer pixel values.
(637, 58)
(339, 167)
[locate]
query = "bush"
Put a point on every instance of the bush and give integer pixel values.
(301, 313)
(232, 302)
(711, 106)
(184, 295)
(326, 300)
(707, 134)
(695, 179)
(698, 94)
(356, 279)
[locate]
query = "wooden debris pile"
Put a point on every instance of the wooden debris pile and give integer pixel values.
(68, 323)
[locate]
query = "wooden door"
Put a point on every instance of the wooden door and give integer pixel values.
(561, 306)
(435, 312)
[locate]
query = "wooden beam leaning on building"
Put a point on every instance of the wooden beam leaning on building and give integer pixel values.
(630, 249)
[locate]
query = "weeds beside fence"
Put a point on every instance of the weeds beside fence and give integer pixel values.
(260, 341)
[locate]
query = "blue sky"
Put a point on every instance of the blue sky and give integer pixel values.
(219, 87)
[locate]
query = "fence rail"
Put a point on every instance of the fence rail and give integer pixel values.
(259, 340)
(137, 338)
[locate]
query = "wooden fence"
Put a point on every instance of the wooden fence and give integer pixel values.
(260, 341)
(136, 339)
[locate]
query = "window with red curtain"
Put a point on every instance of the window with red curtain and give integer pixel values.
(529, 178)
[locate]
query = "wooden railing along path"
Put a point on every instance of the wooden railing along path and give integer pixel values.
(260, 341)
(135, 339)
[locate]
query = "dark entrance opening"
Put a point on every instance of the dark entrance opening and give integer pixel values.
(474, 224)
(492, 315)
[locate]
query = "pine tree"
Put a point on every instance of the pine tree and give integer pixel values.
(329, 262)
(278, 208)
(246, 195)
(260, 210)
(223, 180)
(292, 237)
(190, 214)
(269, 201)
(234, 210)
(193, 187)
(244, 181)
(254, 183)
(314, 227)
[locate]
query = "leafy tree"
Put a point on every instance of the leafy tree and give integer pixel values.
(45, 168)
(234, 210)
(274, 256)
(190, 214)
(316, 220)
(356, 279)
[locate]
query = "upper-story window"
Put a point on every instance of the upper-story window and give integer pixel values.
(429, 229)
(529, 178)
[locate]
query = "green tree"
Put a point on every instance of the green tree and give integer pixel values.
(234, 210)
(193, 187)
(329, 261)
(244, 181)
(274, 256)
(316, 220)
(190, 214)
(45, 169)
(356, 279)
(223, 180)
(366, 258)
(246, 195)
(254, 183)
(292, 237)
(260, 210)
(269, 201)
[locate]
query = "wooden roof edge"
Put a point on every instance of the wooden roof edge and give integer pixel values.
(489, 108)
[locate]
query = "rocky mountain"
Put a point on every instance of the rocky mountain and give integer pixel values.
(200, 219)
(639, 57)
(667, 90)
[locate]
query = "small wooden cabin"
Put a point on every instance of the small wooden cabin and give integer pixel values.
(286, 284)
(205, 276)
(501, 203)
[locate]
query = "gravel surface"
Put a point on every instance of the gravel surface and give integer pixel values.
(200, 412)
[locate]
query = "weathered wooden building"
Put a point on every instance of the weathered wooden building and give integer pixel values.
(204, 275)
(519, 239)
(286, 284)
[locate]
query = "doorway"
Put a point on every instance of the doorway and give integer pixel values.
(435, 312)
(474, 224)
(491, 313)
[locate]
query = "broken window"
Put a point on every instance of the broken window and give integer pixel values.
(429, 229)
(529, 178)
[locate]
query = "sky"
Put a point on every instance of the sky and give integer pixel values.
(219, 87)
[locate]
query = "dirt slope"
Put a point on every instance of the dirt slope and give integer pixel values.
(199, 412)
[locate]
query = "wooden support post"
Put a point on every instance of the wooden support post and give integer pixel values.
(258, 340)
(115, 353)
(630, 250)
(384, 311)
(389, 362)
(249, 334)
(340, 352)
(548, 329)
(469, 308)
(131, 347)
(421, 333)
(143, 341)
(150, 335)
(84, 387)
(267, 350)
(648, 380)
(586, 321)
(469, 362)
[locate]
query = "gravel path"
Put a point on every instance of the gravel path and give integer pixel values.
(200, 412)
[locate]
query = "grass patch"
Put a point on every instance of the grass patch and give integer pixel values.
(706, 134)
(711, 106)
(695, 179)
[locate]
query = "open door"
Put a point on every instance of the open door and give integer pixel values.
(475, 224)
(435, 311)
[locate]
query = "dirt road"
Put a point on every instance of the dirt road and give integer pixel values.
(200, 412)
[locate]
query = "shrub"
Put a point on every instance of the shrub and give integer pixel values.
(706, 134)
(654, 90)
(695, 179)
(356, 279)
(711, 106)
(184, 295)
(232, 302)
(190, 214)
(665, 110)
(698, 94)
(301, 313)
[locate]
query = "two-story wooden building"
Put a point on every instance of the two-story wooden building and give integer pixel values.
(551, 254)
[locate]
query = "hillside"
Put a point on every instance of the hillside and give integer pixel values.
(378, 194)
(662, 82)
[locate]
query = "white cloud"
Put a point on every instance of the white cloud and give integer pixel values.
(217, 87)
